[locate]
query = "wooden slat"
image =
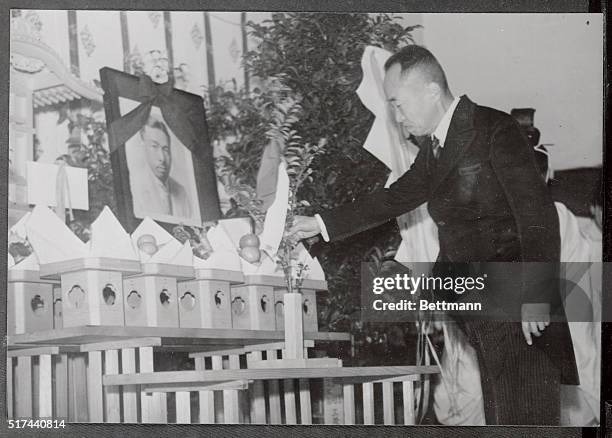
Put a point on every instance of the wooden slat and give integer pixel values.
(45, 387)
(217, 366)
(368, 403)
(9, 387)
(60, 386)
(235, 385)
(150, 378)
(289, 395)
(119, 344)
(333, 409)
(305, 401)
(256, 392)
(294, 326)
(247, 349)
(112, 395)
(408, 402)
(153, 405)
(348, 391)
(95, 403)
(207, 398)
(186, 336)
(23, 387)
(388, 403)
(274, 393)
(231, 406)
(183, 407)
(35, 383)
(130, 392)
(77, 388)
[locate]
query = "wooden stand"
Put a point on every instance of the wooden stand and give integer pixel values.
(151, 297)
(92, 290)
(205, 301)
(29, 302)
(253, 302)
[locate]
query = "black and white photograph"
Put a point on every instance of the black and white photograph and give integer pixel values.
(329, 218)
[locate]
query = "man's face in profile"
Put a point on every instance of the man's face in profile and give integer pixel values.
(157, 151)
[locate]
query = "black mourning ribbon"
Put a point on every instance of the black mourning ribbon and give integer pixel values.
(173, 109)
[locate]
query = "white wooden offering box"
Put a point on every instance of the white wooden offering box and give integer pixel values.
(151, 297)
(205, 301)
(252, 302)
(91, 289)
(29, 302)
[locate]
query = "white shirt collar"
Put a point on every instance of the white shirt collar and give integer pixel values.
(442, 128)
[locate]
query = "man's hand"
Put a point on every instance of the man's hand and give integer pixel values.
(304, 227)
(535, 318)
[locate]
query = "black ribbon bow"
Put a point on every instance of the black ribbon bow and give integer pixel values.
(172, 108)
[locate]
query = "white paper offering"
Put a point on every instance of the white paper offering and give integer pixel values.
(161, 246)
(224, 255)
(51, 239)
(19, 229)
(109, 239)
(314, 271)
(274, 225)
(30, 263)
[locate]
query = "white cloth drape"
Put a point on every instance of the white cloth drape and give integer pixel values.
(418, 230)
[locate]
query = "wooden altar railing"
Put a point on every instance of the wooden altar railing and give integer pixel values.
(106, 374)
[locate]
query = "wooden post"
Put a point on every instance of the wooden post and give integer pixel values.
(60, 386)
(95, 403)
(9, 387)
(217, 364)
(408, 399)
(23, 387)
(207, 398)
(183, 407)
(231, 407)
(368, 403)
(258, 401)
(305, 402)
(333, 407)
(153, 405)
(273, 394)
(294, 326)
(45, 387)
(130, 392)
(112, 393)
(77, 388)
(348, 391)
(388, 403)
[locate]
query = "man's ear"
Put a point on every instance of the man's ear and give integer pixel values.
(434, 91)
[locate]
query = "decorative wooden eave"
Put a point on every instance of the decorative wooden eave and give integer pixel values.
(55, 84)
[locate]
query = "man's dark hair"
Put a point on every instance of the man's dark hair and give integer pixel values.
(418, 57)
(155, 123)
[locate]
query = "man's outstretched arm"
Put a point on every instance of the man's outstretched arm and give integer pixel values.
(407, 193)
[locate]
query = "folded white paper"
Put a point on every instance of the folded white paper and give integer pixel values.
(19, 229)
(224, 255)
(30, 263)
(109, 239)
(10, 261)
(51, 239)
(274, 225)
(169, 250)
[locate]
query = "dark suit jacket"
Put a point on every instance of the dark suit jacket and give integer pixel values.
(488, 200)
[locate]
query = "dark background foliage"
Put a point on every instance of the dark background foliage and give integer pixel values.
(318, 58)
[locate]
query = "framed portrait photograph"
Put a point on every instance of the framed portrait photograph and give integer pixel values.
(162, 159)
